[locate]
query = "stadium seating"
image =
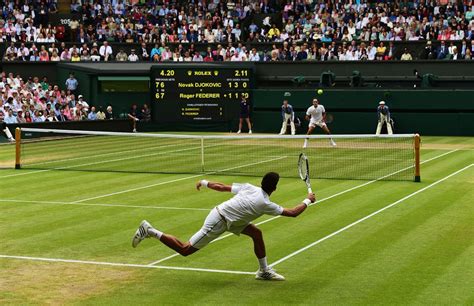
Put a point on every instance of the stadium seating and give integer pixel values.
(333, 30)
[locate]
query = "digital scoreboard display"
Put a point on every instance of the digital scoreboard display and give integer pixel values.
(199, 92)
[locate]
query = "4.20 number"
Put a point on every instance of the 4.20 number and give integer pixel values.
(167, 72)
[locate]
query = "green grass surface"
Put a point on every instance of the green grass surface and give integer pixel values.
(419, 251)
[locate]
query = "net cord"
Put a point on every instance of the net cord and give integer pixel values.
(240, 136)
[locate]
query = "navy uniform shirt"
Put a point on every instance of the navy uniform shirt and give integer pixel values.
(244, 108)
(383, 110)
(287, 110)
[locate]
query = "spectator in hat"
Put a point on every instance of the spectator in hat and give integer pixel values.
(80, 99)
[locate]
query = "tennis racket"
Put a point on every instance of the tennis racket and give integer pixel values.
(329, 118)
(303, 171)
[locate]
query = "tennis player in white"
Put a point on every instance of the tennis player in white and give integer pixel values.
(233, 215)
(316, 114)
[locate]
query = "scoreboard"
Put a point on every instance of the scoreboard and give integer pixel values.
(204, 92)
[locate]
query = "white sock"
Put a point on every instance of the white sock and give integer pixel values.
(155, 233)
(8, 133)
(263, 263)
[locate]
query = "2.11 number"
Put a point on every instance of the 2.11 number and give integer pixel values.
(241, 73)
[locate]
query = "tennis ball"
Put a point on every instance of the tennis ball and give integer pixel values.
(320, 91)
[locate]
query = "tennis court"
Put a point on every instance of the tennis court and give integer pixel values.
(67, 218)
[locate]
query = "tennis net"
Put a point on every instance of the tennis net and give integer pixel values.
(366, 157)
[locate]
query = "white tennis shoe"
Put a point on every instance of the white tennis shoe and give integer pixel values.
(269, 274)
(141, 233)
(333, 143)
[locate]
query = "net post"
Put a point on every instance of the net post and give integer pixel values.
(17, 148)
(202, 154)
(417, 157)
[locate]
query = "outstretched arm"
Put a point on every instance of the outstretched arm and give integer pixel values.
(213, 185)
(298, 209)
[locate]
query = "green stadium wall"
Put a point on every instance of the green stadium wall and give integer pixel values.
(434, 111)
(428, 112)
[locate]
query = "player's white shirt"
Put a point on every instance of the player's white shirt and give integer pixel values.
(249, 203)
(316, 113)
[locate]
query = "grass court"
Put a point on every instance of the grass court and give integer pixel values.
(65, 236)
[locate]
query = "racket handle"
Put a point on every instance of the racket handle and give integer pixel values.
(310, 190)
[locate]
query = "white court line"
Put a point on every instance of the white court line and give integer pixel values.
(116, 264)
(317, 202)
(368, 216)
(102, 205)
(177, 180)
(103, 162)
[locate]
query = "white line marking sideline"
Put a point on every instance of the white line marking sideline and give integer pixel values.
(102, 205)
(368, 216)
(317, 202)
(177, 180)
(102, 263)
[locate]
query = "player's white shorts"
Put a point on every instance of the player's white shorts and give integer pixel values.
(321, 124)
(213, 227)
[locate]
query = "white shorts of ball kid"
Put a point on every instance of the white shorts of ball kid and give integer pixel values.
(321, 124)
(213, 227)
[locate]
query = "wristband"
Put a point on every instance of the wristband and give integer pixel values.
(204, 183)
(306, 202)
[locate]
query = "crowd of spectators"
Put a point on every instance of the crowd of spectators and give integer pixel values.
(286, 51)
(37, 100)
(167, 30)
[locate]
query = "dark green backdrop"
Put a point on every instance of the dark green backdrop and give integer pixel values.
(429, 112)
(434, 111)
